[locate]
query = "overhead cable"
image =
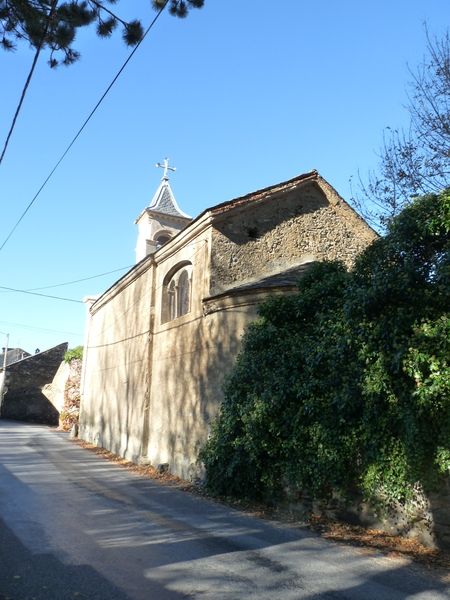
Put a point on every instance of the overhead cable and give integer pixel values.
(66, 151)
(2, 287)
(47, 287)
(23, 326)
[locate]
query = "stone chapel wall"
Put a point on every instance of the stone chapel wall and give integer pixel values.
(190, 361)
(289, 228)
(181, 349)
(115, 379)
(152, 381)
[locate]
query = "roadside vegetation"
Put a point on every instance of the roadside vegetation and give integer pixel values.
(344, 388)
(70, 413)
(74, 354)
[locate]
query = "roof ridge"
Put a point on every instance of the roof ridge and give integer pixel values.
(314, 174)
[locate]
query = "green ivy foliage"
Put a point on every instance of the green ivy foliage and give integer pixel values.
(74, 354)
(344, 386)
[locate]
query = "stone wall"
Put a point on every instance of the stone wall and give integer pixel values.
(439, 507)
(115, 380)
(64, 393)
(301, 225)
(425, 518)
(24, 399)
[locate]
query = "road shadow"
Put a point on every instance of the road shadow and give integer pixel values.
(25, 575)
(167, 544)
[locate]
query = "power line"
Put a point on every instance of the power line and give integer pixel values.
(27, 82)
(47, 287)
(23, 326)
(66, 151)
(2, 287)
(34, 293)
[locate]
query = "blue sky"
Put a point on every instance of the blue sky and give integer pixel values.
(240, 95)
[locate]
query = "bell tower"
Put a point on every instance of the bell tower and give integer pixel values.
(162, 219)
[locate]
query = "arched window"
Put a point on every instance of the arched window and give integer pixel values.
(172, 299)
(161, 240)
(184, 293)
(176, 300)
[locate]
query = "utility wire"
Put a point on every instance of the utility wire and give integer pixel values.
(66, 151)
(23, 326)
(47, 287)
(2, 287)
(32, 291)
(30, 75)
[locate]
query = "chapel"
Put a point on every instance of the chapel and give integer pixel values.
(161, 339)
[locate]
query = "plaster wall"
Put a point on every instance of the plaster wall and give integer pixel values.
(191, 358)
(179, 348)
(152, 397)
(115, 377)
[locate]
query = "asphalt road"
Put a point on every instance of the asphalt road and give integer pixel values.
(74, 526)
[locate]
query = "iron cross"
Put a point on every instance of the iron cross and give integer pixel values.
(165, 166)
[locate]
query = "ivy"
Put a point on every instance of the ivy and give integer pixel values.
(345, 386)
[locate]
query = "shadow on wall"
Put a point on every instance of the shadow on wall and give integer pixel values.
(117, 380)
(24, 400)
(196, 362)
(31, 406)
(249, 226)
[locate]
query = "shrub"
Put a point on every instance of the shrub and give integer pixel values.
(74, 354)
(345, 386)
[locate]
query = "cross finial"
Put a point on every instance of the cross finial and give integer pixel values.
(165, 166)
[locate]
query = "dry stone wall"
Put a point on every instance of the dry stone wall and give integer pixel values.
(425, 518)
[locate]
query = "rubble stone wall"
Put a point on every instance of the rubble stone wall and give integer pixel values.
(24, 399)
(301, 226)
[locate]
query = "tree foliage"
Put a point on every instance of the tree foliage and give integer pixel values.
(75, 353)
(345, 386)
(53, 25)
(416, 160)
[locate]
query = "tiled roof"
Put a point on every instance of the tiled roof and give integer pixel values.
(164, 201)
(286, 278)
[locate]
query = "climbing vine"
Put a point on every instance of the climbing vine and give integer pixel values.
(344, 386)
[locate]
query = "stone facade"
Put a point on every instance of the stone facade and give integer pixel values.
(276, 231)
(425, 518)
(153, 372)
(24, 399)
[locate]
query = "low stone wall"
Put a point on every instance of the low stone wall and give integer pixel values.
(24, 399)
(426, 518)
